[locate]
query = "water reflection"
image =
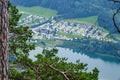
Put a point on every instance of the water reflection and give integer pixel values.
(101, 56)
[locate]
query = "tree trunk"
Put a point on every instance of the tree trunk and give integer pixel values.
(3, 39)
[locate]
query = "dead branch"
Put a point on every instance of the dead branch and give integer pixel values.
(114, 22)
(11, 36)
(59, 71)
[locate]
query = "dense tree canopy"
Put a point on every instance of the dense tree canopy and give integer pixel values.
(80, 7)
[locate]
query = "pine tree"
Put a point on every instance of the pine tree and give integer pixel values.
(19, 37)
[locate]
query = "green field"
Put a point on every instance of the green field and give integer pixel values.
(24, 15)
(91, 20)
(45, 12)
(70, 35)
(49, 43)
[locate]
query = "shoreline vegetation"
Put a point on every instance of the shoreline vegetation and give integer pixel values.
(106, 55)
(75, 47)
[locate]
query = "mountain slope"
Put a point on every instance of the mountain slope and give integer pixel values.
(77, 9)
(69, 6)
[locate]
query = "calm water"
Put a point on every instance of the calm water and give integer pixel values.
(109, 67)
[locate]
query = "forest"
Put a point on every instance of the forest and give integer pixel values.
(78, 8)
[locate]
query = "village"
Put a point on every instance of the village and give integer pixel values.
(31, 20)
(64, 30)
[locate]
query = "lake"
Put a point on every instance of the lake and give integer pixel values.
(109, 67)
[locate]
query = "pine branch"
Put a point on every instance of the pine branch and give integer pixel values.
(32, 67)
(61, 72)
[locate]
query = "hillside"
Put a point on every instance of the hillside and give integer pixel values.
(36, 15)
(77, 9)
(37, 10)
(91, 20)
(68, 6)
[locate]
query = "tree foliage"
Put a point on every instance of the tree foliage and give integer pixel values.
(19, 36)
(48, 66)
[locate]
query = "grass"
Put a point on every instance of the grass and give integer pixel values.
(92, 20)
(70, 35)
(116, 36)
(24, 15)
(45, 12)
(51, 43)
